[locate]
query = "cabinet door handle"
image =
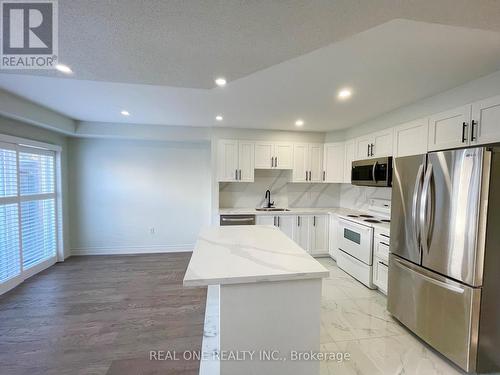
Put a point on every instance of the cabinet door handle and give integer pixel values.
(306, 175)
(236, 174)
(310, 178)
(276, 161)
(298, 221)
(464, 129)
(274, 220)
(368, 150)
(324, 175)
(371, 154)
(314, 221)
(278, 221)
(240, 175)
(472, 136)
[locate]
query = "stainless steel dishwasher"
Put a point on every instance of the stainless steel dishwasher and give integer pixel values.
(237, 220)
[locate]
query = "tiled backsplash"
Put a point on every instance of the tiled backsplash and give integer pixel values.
(283, 193)
(357, 197)
(286, 194)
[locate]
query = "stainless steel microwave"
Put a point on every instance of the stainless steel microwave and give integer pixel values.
(372, 172)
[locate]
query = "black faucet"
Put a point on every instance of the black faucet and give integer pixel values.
(268, 197)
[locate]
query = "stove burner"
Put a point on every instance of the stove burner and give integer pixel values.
(369, 216)
(372, 221)
(385, 220)
(352, 215)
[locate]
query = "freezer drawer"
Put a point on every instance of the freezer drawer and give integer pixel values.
(440, 311)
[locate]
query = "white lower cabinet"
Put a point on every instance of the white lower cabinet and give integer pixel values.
(381, 259)
(318, 229)
(310, 232)
(284, 222)
(380, 274)
(301, 231)
(266, 220)
(333, 236)
(287, 224)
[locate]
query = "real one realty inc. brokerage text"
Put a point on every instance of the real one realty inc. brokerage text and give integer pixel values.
(247, 355)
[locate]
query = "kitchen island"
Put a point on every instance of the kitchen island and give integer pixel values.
(269, 299)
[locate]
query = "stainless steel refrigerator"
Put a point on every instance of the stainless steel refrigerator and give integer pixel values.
(444, 267)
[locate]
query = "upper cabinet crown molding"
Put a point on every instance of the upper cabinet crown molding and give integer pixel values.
(411, 138)
(273, 155)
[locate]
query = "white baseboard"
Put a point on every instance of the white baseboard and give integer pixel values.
(123, 250)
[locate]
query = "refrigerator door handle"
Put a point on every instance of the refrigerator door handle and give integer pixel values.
(424, 202)
(416, 194)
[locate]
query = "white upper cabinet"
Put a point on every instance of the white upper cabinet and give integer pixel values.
(382, 143)
(411, 138)
(485, 124)
(264, 155)
(350, 156)
(273, 155)
(235, 160)
(375, 145)
(227, 160)
(363, 147)
(450, 129)
(307, 162)
(246, 159)
(283, 152)
(333, 162)
(316, 162)
(300, 163)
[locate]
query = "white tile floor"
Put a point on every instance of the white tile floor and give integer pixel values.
(354, 320)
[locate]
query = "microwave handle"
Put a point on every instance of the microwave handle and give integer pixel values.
(373, 172)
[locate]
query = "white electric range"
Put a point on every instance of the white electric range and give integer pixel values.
(358, 242)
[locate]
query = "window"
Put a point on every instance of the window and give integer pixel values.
(28, 212)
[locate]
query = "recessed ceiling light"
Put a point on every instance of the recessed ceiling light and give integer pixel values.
(221, 82)
(344, 94)
(219, 118)
(299, 122)
(125, 113)
(64, 68)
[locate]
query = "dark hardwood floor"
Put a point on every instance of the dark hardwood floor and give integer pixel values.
(102, 315)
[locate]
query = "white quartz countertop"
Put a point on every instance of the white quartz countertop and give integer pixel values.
(342, 211)
(292, 211)
(248, 254)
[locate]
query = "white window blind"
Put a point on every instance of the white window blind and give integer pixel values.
(28, 211)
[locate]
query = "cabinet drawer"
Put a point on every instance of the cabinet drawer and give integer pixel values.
(382, 249)
(380, 275)
(355, 268)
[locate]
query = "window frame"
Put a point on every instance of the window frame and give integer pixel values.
(26, 145)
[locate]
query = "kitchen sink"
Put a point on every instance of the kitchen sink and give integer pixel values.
(271, 209)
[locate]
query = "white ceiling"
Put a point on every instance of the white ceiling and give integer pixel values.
(187, 43)
(388, 66)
